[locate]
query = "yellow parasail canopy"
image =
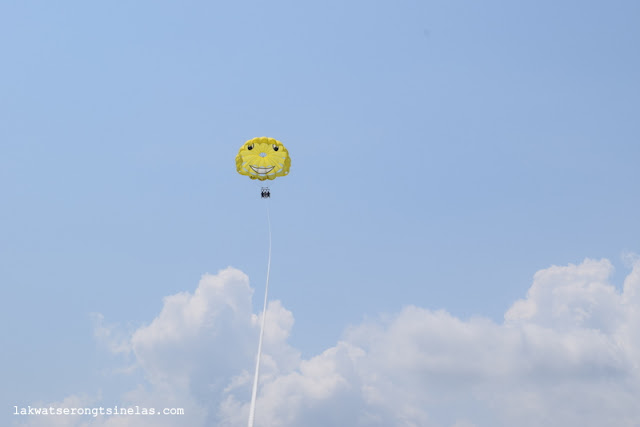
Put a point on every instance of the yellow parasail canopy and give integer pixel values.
(263, 158)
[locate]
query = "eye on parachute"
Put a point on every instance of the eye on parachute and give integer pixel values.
(263, 158)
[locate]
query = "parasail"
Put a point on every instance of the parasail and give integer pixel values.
(263, 158)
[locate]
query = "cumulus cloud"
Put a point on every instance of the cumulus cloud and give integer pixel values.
(567, 354)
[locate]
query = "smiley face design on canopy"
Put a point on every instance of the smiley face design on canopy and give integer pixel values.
(263, 158)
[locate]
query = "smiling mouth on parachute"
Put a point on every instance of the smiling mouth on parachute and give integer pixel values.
(259, 170)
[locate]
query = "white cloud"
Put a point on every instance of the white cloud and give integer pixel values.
(113, 339)
(568, 354)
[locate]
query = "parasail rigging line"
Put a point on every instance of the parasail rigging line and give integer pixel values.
(252, 408)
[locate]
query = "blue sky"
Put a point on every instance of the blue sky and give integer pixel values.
(442, 154)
